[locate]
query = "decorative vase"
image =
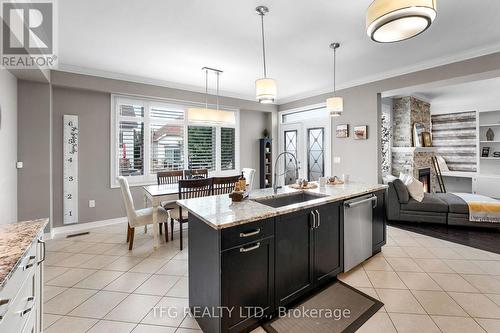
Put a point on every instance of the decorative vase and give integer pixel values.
(490, 135)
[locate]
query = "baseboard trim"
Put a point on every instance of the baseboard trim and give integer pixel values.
(79, 227)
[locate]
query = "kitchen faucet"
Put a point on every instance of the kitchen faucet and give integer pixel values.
(275, 178)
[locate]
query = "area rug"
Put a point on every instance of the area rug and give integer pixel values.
(338, 308)
(479, 238)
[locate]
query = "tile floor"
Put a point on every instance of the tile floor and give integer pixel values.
(94, 284)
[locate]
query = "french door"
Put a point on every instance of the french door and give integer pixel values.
(309, 140)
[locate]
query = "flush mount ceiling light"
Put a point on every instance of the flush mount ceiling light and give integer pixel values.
(335, 104)
(389, 21)
(265, 88)
(211, 115)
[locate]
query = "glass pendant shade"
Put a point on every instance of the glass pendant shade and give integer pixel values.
(266, 90)
(211, 115)
(390, 21)
(335, 105)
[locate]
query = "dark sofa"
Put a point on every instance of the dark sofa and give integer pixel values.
(442, 208)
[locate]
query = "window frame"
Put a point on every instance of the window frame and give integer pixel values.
(148, 177)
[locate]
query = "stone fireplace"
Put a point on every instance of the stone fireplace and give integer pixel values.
(406, 158)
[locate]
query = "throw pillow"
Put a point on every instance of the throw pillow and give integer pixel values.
(416, 189)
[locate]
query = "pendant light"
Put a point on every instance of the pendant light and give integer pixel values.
(265, 88)
(390, 21)
(207, 114)
(335, 104)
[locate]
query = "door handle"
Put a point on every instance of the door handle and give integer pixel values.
(313, 225)
(356, 203)
(251, 248)
(44, 253)
(250, 234)
(319, 219)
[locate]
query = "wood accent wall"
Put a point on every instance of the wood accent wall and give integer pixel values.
(455, 136)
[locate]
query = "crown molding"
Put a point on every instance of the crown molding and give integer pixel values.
(145, 80)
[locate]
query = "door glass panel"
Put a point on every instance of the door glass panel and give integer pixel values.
(291, 147)
(315, 153)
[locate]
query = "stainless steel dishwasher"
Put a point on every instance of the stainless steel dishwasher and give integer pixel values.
(358, 223)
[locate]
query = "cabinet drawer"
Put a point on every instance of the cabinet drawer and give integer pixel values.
(247, 233)
(17, 279)
(22, 307)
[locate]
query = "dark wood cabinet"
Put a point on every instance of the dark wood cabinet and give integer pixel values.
(294, 260)
(308, 251)
(247, 284)
(379, 236)
(328, 243)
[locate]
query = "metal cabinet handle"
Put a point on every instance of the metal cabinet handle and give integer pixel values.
(250, 234)
(27, 310)
(251, 248)
(313, 226)
(319, 219)
(375, 202)
(3, 302)
(29, 264)
(44, 252)
(356, 203)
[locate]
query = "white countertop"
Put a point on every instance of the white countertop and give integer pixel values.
(220, 212)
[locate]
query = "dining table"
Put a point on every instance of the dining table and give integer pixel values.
(156, 194)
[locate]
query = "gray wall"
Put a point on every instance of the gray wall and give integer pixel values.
(34, 149)
(252, 124)
(360, 158)
(8, 147)
(93, 108)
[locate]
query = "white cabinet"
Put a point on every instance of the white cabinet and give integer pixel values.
(21, 296)
(486, 185)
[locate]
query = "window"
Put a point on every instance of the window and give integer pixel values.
(149, 136)
(227, 141)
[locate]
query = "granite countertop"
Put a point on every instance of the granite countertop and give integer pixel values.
(220, 212)
(15, 240)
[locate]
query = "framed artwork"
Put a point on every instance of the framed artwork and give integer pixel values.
(360, 132)
(418, 129)
(427, 139)
(485, 152)
(342, 131)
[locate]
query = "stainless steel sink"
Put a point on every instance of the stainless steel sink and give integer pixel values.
(289, 199)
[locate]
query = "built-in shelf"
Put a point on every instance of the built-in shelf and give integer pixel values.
(488, 125)
(494, 141)
(490, 158)
(414, 149)
(459, 174)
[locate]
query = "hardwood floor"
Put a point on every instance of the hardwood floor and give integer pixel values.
(479, 238)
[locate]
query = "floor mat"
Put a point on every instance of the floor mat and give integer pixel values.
(339, 308)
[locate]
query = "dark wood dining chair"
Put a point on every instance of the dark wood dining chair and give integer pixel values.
(189, 188)
(168, 177)
(196, 173)
(224, 185)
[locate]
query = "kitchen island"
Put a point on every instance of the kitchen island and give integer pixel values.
(249, 258)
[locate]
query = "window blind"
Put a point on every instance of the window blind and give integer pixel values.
(227, 138)
(201, 147)
(131, 148)
(167, 139)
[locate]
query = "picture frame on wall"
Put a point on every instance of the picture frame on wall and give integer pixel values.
(361, 132)
(418, 129)
(485, 152)
(426, 139)
(342, 131)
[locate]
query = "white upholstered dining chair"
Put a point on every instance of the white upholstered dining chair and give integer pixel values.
(139, 217)
(249, 175)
